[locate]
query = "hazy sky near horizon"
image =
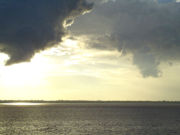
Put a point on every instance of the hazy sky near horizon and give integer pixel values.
(76, 50)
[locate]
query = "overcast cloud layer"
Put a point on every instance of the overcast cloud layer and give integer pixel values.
(148, 29)
(28, 26)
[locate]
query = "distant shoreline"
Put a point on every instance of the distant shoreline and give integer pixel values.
(82, 101)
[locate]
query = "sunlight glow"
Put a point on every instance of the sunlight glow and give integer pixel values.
(71, 43)
(3, 57)
(34, 73)
(24, 74)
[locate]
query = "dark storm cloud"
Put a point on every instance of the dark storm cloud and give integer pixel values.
(28, 26)
(148, 29)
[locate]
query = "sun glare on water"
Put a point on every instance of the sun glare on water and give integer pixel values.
(21, 104)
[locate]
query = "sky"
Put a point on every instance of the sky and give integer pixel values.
(90, 50)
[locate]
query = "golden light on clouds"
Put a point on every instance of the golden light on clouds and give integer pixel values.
(70, 71)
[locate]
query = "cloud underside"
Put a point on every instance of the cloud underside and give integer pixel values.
(147, 29)
(28, 26)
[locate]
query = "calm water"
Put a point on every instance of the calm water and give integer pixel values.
(89, 119)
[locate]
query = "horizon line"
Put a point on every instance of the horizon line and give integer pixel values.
(88, 101)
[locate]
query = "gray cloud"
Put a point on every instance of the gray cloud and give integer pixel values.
(28, 26)
(147, 29)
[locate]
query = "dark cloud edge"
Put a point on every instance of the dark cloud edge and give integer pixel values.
(28, 27)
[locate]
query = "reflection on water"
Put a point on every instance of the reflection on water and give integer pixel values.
(88, 119)
(21, 104)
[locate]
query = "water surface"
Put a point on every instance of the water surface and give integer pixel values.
(89, 119)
